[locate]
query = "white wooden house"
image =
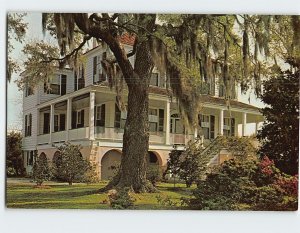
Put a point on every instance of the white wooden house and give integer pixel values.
(82, 109)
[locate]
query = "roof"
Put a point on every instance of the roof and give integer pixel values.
(207, 99)
(125, 39)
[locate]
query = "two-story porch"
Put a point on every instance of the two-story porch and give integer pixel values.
(91, 117)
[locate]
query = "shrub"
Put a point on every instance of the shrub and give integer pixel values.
(153, 174)
(41, 171)
(246, 184)
(69, 165)
(121, 199)
(90, 176)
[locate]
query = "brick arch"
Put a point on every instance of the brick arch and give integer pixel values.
(109, 163)
(158, 157)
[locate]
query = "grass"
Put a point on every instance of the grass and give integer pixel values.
(82, 196)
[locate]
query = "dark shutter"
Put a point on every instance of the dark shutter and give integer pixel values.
(161, 120)
(102, 118)
(94, 68)
(25, 125)
(232, 126)
(95, 119)
(74, 118)
(46, 123)
(63, 82)
(30, 124)
(212, 126)
(117, 117)
(62, 122)
(75, 81)
(82, 118)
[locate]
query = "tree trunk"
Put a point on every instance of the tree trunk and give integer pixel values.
(132, 173)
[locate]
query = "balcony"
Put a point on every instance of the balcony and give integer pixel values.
(110, 134)
(78, 134)
(180, 139)
(43, 139)
(58, 136)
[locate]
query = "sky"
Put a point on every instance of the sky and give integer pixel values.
(14, 96)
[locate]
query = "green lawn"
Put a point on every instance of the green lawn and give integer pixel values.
(82, 196)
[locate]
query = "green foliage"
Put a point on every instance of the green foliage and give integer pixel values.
(41, 171)
(69, 165)
(173, 164)
(243, 185)
(121, 199)
(14, 160)
(90, 176)
(280, 133)
(153, 174)
(16, 29)
(166, 201)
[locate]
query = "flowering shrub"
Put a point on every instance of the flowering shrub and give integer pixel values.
(246, 184)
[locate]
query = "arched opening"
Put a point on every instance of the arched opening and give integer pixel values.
(152, 158)
(43, 156)
(110, 163)
(57, 159)
(176, 126)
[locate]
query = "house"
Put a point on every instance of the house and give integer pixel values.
(78, 106)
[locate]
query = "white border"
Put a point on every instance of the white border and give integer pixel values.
(137, 221)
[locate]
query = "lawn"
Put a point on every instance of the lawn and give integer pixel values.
(82, 196)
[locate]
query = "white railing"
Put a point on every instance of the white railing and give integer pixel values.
(43, 139)
(180, 138)
(109, 133)
(157, 137)
(58, 136)
(80, 133)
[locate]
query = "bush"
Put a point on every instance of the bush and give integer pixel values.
(153, 174)
(41, 171)
(90, 176)
(121, 199)
(69, 165)
(246, 184)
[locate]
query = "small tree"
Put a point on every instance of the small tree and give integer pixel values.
(14, 160)
(173, 164)
(69, 165)
(41, 171)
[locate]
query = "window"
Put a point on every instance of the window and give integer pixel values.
(229, 126)
(161, 120)
(56, 85)
(28, 90)
(56, 123)
(120, 118)
(207, 124)
(154, 79)
(78, 119)
(63, 86)
(30, 157)
(79, 80)
(100, 115)
(28, 125)
(46, 128)
(98, 75)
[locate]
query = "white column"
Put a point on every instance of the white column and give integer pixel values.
(91, 116)
(69, 115)
(244, 123)
(221, 122)
(167, 118)
(256, 127)
(51, 122)
(195, 133)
